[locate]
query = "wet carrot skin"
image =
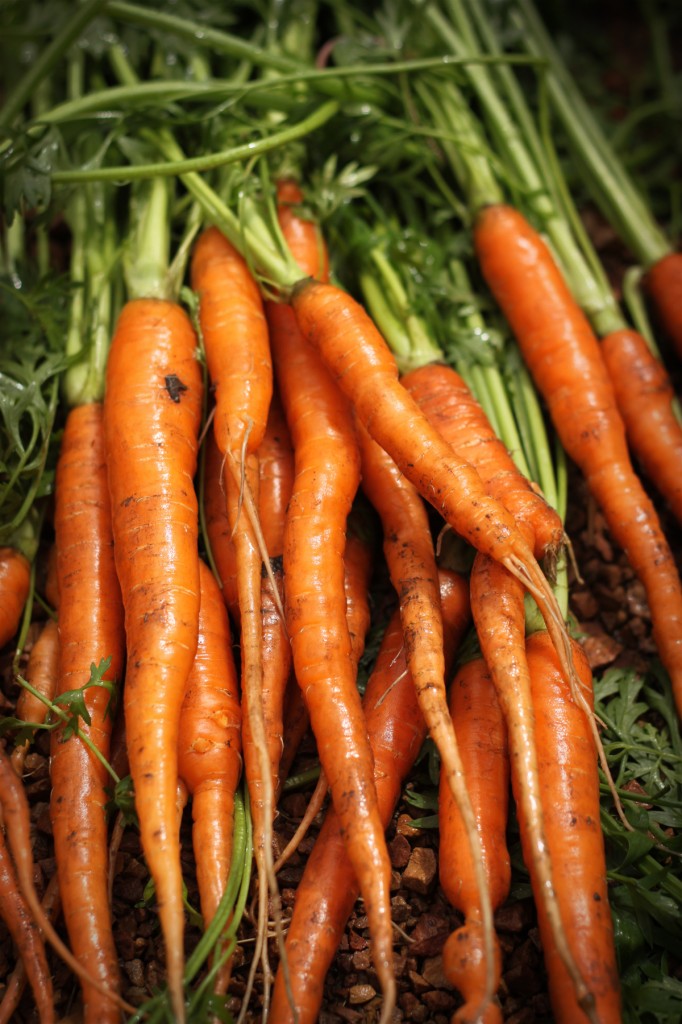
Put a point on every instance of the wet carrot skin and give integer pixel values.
(42, 672)
(565, 360)
(449, 405)
(152, 409)
(15, 578)
(644, 395)
(482, 740)
(329, 888)
(26, 936)
(90, 629)
(663, 281)
(569, 784)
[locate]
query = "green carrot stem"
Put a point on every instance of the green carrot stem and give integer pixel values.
(606, 176)
(82, 15)
(146, 258)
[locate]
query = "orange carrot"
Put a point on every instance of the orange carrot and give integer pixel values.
(498, 611)
(365, 369)
(411, 560)
(663, 281)
(482, 739)
(15, 581)
(16, 983)
(329, 887)
(16, 817)
(26, 936)
(152, 411)
(209, 749)
(569, 791)
(85, 568)
(449, 405)
(42, 672)
(218, 527)
(563, 356)
(644, 396)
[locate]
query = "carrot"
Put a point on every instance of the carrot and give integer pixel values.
(482, 739)
(644, 396)
(209, 750)
(366, 371)
(329, 886)
(152, 411)
(563, 356)
(16, 817)
(218, 527)
(498, 611)
(16, 982)
(569, 792)
(26, 936)
(15, 581)
(411, 561)
(449, 405)
(663, 282)
(42, 672)
(87, 579)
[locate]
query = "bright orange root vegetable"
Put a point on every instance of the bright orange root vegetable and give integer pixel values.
(15, 580)
(42, 672)
(663, 281)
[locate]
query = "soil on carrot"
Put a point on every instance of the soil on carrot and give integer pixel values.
(610, 610)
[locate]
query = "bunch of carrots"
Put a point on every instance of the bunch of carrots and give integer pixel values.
(269, 368)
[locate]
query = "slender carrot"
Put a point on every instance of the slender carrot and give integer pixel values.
(498, 611)
(482, 739)
(218, 526)
(42, 672)
(360, 361)
(644, 395)
(86, 570)
(448, 404)
(16, 982)
(563, 356)
(411, 561)
(15, 579)
(26, 936)
(209, 750)
(235, 335)
(16, 817)
(663, 281)
(329, 887)
(569, 791)
(152, 410)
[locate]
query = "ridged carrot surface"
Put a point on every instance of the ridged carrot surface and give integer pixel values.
(664, 283)
(78, 803)
(152, 412)
(15, 578)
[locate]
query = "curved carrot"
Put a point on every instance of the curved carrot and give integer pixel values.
(218, 526)
(411, 561)
(644, 397)
(498, 611)
(26, 936)
(329, 886)
(16, 982)
(482, 739)
(569, 791)
(42, 672)
(563, 356)
(16, 817)
(209, 749)
(366, 371)
(449, 405)
(663, 281)
(152, 411)
(85, 566)
(15, 581)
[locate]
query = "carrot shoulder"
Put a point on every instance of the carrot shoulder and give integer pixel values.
(15, 578)
(562, 354)
(152, 411)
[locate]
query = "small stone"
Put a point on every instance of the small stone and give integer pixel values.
(360, 994)
(362, 960)
(135, 971)
(413, 1008)
(404, 827)
(584, 604)
(600, 650)
(418, 983)
(437, 1000)
(421, 870)
(432, 971)
(356, 941)
(400, 909)
(514, 917)
(399, 851)
(429, 935)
